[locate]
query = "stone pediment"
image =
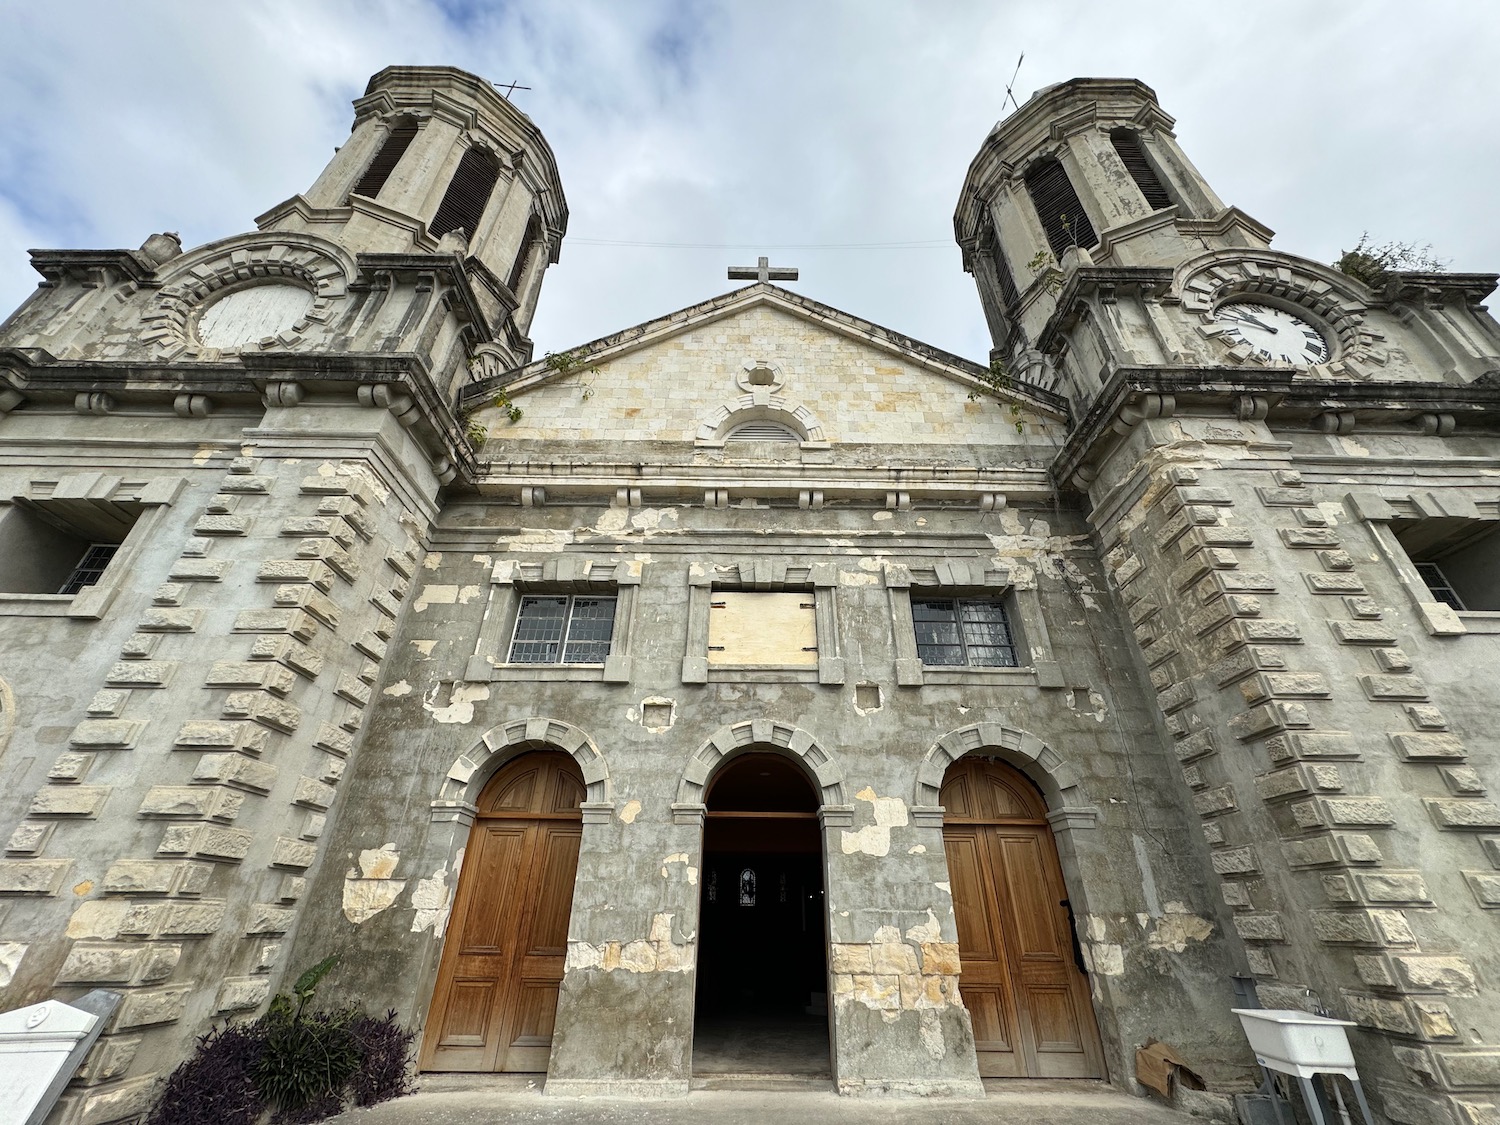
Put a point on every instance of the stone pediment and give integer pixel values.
(764, 357)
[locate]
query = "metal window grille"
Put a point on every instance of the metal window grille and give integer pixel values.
(90, 568)
(1058, 208)
(380, 169)
(562, 630)
(464, 202)
(1438, 584)
(955, 632)
(762, 431)
(1133, 156)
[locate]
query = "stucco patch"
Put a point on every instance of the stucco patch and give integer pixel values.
(689, 871)
(1104, 958)
(369, 888)
(432, 560)
(100, 919)
(631, 810)
(460, 708)
(468, 594)
(398, 689)
(436, 595)
(875, 839)
(424, 648)
(432, 900)
(656, 953)
(11, 953)
(1176, 927)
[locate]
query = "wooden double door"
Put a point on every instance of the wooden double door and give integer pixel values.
(1020, 979)
(496, 996)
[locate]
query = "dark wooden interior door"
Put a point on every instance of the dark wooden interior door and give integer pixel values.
(496, 996)
(1026, 994)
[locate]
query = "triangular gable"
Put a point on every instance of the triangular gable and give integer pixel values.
(973, 377)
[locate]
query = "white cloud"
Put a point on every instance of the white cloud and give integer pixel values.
(850, 121)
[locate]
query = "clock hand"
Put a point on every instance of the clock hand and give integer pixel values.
(1259, 323)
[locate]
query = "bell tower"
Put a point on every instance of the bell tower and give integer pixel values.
(439, 161)
(1280, 462)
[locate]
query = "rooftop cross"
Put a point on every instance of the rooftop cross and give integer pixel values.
(763, 271)
(509, 88)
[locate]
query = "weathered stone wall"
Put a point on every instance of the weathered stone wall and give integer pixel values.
(1334, 724)
(874, 746)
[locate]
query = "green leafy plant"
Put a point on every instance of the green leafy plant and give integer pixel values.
(998, 378)
(574, 362)
(300, 1065)
(1373, 263)
(1042, 262)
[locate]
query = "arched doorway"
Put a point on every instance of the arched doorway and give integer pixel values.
(762, 1003)
(496, 996)
(1020, 975)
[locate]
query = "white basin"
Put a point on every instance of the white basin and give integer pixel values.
(1297, 1042)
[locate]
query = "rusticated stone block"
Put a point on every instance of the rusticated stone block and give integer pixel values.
(173, 919)
(1214, 802)
(342, 562)
(385, 603)
(1363, 632)
(1284, 497)
(156, 877)
(68, 801)
(262, 708)
(149, 1006)
(297, 656)
(1486, 888)
(294, 854)
(245, 484)
(1285, 685)
(123, 1101)
(351, 688)
(107, 734)
(1305, 538)
(251, 674)
(141, 673)
(267, 918)
(1429, 747)
(236, 770)
(1259, 927)
(312, 793)
(1393, 687)
(1362, 927)
(1343, 812)
(222, 525)
(243, 994)
(306, 597)
(1195, 745)
(1318, 851)
(1268, 718)
(319, 527)
(1392, 886)
(33, 876)
(167, 619)
(334, 740)
(371, 645)
(1235, 861)
(199, 570)
(1333, 583)
(206, 841)
(1463, 814)
(108, 703)
(1428, 973)
(29, 838)
(294, 621)
(1464, 1069)
(205, 733)
(192, 802)
(1383, 1015)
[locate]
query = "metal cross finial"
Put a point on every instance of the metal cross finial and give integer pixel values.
(509, 88)
(763, 271)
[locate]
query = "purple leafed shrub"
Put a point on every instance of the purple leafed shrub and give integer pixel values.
(385, 1049)
(214, 1087)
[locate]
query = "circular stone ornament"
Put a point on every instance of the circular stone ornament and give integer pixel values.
(250, 315)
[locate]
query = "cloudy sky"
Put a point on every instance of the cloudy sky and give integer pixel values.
(810, 131)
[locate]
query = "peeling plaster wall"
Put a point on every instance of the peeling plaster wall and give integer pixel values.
(626, 1012)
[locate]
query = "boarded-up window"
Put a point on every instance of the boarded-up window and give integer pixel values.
(468, 193)
(1058, 207)
(762, 628)
(402, 133)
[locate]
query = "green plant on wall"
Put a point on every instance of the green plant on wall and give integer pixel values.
(574, 362)
(475, 431)
(1373, 263)
(999, 380)
(1042, 262)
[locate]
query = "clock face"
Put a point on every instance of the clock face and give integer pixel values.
(1274, 334)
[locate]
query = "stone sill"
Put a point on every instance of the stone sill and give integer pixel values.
(36, 605)
(515, 673)
(1480, 621)
(762, 674)
(978, 677)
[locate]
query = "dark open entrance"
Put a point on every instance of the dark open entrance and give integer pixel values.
(762, 966)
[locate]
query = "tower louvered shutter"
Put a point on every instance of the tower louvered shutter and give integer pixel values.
(380, 169)
(523, 255)
(1128, 146)
(468, 192)
(1058, 207)
(1008, 291)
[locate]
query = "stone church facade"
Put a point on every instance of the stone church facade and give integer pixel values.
(992, 718)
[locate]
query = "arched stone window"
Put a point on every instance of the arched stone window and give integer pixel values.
(1128, 147)
(468, 193)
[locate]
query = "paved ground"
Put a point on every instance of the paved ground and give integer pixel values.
(507, 1100)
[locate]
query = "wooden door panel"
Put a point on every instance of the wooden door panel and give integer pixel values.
(495, 1004)
(1028, 1000)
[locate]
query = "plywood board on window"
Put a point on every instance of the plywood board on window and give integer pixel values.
(762, 628)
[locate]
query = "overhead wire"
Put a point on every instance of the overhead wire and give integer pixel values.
(915, 244)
